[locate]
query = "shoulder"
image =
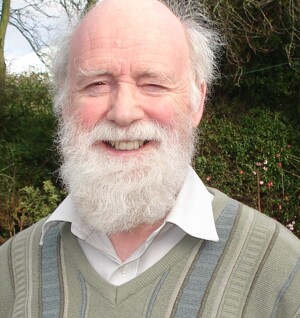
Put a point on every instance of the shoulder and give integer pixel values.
(17, 247)
(268, 256)
(18, 256)
(15, 251)
(22, 237)
(259, 222)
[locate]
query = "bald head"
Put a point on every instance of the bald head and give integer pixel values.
(176, 27)
(134, 13)
(129, 26)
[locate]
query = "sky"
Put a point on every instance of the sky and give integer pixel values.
(18, 53)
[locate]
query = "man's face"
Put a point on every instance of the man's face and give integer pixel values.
(133, 66)
(128, 136)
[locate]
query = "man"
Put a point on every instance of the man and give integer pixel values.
(139, 235)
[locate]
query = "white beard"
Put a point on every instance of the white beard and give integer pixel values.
(112, 194)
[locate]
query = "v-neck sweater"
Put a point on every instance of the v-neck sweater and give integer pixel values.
(253, 271)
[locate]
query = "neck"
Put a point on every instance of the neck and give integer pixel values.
(125, 243)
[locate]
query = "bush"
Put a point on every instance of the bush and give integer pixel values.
(27, 155)
(30, 204)
(255, 160)
(27, 127)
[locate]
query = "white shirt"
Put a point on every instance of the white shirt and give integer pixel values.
(192, 214)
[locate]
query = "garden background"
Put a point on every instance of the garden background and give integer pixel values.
(249, 138)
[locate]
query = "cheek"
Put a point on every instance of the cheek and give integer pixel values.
(163, 114)
(167, 110)
(89, 112)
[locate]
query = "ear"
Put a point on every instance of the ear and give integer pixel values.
(197, 115)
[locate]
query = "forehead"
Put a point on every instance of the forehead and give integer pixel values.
(144, 32)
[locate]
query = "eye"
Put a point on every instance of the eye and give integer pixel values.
(154, 88)
(98, 88)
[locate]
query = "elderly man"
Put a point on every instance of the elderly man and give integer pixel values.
(139, 234)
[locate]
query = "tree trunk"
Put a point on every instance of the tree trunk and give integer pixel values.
(3, 28)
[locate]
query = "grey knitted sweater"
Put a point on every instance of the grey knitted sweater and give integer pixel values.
(253, 271)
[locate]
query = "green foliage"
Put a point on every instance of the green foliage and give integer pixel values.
(255, 159)
(262, 57)
(27, 155)
(30, 205)
(26, 130)
(37, 203)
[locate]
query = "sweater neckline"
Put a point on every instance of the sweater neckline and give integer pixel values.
(117, 294)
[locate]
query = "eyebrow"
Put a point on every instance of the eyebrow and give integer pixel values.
(157, 75)
(162, 76)
(91, 73)
(84, 75)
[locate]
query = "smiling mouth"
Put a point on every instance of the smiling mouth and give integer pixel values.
(126, 144)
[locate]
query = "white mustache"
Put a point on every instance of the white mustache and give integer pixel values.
(107, 131)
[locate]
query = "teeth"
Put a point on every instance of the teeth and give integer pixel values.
(127, 145)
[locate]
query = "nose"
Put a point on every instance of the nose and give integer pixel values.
(125, 107)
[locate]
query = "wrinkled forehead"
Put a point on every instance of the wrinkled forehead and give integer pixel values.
(129, 22)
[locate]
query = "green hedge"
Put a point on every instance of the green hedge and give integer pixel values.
(254, 157)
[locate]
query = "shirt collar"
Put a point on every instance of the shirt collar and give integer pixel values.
(192, 212)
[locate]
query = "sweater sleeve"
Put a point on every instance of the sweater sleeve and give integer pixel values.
(275, 288)
(286, 253)
(19, 272)
(6, 281)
